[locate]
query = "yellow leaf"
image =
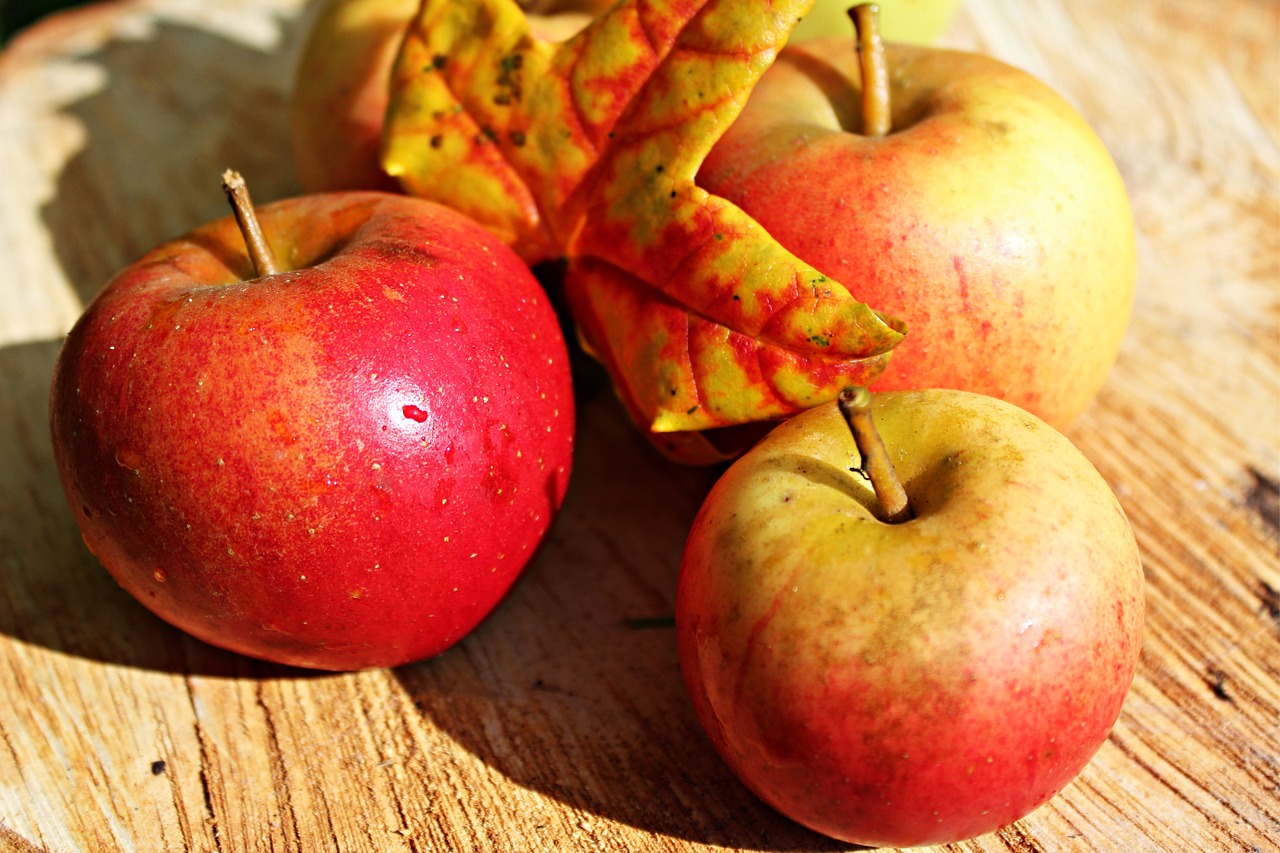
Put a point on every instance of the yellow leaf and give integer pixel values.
(589, 150)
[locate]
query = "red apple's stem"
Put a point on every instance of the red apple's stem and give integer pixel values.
(855, 405)
(264, 262)
(876, 120)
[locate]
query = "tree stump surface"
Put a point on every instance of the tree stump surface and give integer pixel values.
(562, 723)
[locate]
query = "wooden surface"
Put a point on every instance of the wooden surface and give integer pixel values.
(562, 724)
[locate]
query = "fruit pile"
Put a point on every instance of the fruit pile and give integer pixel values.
(331, 431)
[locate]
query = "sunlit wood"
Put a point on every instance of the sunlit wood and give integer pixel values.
(562, 724)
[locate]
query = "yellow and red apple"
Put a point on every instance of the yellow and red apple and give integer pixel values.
(991, 217)
(913, 682)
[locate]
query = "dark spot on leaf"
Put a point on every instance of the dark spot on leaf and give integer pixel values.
(438, 61)
(719, 236)
(660, 169)
(436, 140)
(819, 340)
(1217, 681)
(509, 81)
(691, 410)
(673, 193)
(158, 767)
(517, 138)
(737, 298)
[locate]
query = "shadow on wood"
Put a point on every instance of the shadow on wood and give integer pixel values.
(168, 119)
(597, 716)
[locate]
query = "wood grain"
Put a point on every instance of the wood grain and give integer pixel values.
(562, 724)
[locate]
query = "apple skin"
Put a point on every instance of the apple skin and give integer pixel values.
(908, 21)
(341, 86)
(340, 94)
(991, 219)
(922, 682)
(341, 466)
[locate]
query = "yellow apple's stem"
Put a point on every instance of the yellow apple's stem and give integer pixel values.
(876, 120)
(264, 262)
(855, 405)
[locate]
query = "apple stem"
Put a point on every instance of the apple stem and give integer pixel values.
(876, 119)
(264, 262)
(855, 405)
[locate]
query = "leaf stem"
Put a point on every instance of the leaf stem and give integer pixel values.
(876, 118)
(264, 262)
(855, 405)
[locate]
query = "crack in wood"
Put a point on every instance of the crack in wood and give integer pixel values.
(1263, 498)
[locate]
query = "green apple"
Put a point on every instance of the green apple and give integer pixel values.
(990, 217)
(920, 681)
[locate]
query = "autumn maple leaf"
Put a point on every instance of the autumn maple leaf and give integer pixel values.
(589, 150)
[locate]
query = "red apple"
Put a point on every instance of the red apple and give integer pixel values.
(906, 682)
(990, 218)
(344, 464)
